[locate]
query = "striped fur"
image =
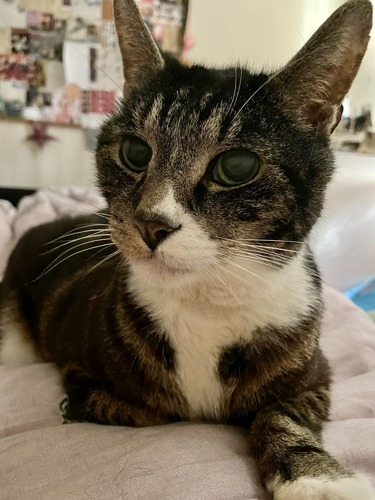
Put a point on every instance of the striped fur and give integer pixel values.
(221, 321)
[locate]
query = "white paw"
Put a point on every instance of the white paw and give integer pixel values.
(323, 488)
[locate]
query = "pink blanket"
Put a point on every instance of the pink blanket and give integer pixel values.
(42, 459)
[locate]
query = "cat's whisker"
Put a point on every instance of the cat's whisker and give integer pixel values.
(234, 93)
(256, 260)
(212, 277)
(98, 240)
(238, 90)
(316, 217)
(277, 263)
(260, 240)
(263, 254)
(105, 259)
(230, 262)
(269, 80)
(78, 229)
(268, 248)
(313, 147)
(225, 270)
(217, 276)
(49, 269)
(102, 234)
(239, 278)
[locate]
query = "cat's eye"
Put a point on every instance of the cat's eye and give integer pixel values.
(236, 167)
(135, 154)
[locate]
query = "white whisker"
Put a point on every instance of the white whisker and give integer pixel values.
(238, 90)
(246, 270)
(102, 233)
(110, 256)
(75, 230)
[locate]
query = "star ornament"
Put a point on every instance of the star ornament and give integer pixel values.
(40, 135)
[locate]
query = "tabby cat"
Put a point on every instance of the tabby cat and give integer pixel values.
(195, 295)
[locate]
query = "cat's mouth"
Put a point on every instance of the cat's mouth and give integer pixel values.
(160, 266)
(157, 265)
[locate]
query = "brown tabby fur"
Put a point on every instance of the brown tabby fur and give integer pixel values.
(118, 364)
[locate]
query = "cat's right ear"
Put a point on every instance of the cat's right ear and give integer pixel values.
(140, 54)
(316, 80)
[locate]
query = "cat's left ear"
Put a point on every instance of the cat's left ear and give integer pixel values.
(140, 54)
(317, 79)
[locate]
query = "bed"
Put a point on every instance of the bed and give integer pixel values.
(42, 459)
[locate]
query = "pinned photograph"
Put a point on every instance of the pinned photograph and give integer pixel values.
(20, 41)
(13, 97)
(15, 67)
(92, 32)
(38, 104)
(76, 30)
(67, 104)
(51, 42)
(40, 21)
(98, 101)
(168, 12)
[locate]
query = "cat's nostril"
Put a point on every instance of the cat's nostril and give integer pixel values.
(162, 233)
(154, 231)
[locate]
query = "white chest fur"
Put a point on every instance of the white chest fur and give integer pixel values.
(204, 319)
(199, 335)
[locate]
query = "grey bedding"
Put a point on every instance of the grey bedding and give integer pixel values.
(42, 459)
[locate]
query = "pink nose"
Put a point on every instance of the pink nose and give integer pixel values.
(154, 231)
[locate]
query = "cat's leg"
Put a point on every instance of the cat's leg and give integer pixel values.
(88, 401)
(97, 405)
(293, 463)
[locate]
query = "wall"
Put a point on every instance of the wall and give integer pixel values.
(264, 33)
(61, 162)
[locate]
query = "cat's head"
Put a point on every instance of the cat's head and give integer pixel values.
(204, 167)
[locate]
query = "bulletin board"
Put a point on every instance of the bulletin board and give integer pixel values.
(59, 59)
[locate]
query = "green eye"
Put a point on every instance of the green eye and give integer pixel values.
(236, 167)
(136, 154)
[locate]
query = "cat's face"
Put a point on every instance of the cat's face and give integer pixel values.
(204, 169)
(226, 177)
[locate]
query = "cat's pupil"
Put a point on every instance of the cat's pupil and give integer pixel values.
(236, 167)
(136, 153)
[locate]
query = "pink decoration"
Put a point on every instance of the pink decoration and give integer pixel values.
(40, 135)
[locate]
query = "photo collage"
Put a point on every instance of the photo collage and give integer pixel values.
(60, 61)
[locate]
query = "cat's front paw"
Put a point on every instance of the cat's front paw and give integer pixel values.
(64, 410)
(72, 409)
(354, 487)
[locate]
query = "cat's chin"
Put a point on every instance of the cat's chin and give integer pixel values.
(158, 272)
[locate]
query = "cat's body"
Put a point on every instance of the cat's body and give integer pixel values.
(191, 354)
(207, 305)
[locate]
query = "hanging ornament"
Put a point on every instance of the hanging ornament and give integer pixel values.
(40, 135)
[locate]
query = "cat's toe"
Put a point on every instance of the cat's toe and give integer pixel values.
(323, 488)
(64, 410)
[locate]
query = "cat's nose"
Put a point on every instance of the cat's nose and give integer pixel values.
(154, 230)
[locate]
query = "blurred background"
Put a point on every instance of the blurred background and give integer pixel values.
(60, 73)
(59, 64)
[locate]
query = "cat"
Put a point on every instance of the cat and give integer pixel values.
(195, 296)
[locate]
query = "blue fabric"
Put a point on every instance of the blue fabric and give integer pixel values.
(363, 295)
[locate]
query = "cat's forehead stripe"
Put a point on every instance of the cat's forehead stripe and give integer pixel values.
(152, 118)
(180, 119)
